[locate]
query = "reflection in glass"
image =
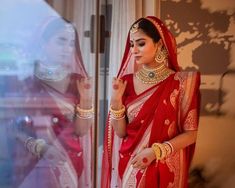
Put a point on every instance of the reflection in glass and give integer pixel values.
(47, 109)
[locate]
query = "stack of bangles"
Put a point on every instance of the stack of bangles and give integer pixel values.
(84, 113)
(34, 146)
(162, 150)
(117, 114)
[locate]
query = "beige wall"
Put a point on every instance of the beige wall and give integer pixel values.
(205, 34)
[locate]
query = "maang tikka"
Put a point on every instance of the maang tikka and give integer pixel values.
(134, 28)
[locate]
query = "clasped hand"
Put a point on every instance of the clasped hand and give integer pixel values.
(143, 158)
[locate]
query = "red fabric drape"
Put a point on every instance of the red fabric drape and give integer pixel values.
(166, 104)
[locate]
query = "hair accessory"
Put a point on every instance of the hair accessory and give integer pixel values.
(134, 28)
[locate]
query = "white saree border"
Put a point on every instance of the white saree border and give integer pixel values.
(68, 177)
(129, 176)
(115, 179)
(85, 179)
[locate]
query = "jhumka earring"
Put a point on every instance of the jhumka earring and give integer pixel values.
(161, 55)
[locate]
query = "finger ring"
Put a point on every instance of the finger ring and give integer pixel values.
(115, 86)
(87, 86)
(144, 160)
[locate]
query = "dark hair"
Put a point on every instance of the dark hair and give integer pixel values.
(148, 28)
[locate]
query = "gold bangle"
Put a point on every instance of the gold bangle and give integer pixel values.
(119, 118)
(169, 147)
(81, 110)
(159, 150)
(117, 113)
(84, 113)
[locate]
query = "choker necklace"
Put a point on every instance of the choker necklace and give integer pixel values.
(153, 76)
(47, 73)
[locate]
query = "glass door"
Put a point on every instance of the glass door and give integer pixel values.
(48, 87)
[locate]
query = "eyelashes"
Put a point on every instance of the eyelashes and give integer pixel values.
(140, 44)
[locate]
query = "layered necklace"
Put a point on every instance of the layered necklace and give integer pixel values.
(153, 76)
(47, 73)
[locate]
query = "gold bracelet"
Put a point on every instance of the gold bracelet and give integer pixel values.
(115, 118)
(117, 113)
(84, 113)
(159, 150)
(81, 110)
(168, 147)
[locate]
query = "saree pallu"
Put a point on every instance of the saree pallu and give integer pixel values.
(56, 126)
(156, 115)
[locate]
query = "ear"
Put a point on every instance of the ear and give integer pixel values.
(160, 43)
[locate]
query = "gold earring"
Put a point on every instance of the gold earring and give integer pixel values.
(161, 55)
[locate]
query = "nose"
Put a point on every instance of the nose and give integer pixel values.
(67, 49)
(135, 49)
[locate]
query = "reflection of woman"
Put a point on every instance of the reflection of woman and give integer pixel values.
(154, 110)
(60, 128)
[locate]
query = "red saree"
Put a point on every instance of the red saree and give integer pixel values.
(156, 115)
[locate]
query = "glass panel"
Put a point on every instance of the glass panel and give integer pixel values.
(47, 93)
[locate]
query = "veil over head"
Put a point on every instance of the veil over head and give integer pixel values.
(49, 27)
(128, 65)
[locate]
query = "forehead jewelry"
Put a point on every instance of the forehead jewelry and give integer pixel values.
(134, 28)
(69, 28)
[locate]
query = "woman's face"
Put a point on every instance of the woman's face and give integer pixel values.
(143, 48)
(59, 49)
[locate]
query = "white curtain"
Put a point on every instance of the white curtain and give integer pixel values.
(123, 15)
(83, 10)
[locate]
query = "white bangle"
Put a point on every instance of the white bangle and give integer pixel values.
(117, 118)
(172, 148)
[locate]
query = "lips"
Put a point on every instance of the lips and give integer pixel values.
(137, 58)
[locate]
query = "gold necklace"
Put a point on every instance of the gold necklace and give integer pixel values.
(47, 73)
(153, 76)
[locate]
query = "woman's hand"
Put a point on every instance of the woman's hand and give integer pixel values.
(143, 158)
(118, 88)
(86, 92)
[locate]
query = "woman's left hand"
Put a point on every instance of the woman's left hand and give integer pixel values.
(143, 159)
(85, 90)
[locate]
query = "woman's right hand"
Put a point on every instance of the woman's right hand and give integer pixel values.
(118, 88)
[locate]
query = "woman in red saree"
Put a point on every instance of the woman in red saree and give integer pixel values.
(53, 146)
(152, 126)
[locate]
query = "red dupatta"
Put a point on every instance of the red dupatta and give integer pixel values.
(151, 105)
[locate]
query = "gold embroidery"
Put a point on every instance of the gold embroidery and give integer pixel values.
(173, 163)
(191, 120)
(171, 129)
(132, 114)
(167, 122)
(173, 97)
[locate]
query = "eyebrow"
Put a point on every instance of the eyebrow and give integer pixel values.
(138, 39)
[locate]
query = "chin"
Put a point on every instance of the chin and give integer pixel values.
(139, 62)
